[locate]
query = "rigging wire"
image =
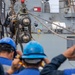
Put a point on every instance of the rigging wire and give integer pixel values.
(54, 31)
(51, 29)
(55, 34)
(55, 24)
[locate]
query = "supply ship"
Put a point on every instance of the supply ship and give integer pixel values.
(52, 25)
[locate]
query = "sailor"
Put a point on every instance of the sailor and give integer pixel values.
(7, 52)
(33, 55)
(52, 67)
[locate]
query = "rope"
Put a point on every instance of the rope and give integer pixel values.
(36, 17)
(54, 23)
(51, 29)
(55, 34)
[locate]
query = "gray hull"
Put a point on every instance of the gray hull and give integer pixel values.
(53, 46)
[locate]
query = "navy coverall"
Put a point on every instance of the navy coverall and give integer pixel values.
(28, 71)
(51, 68)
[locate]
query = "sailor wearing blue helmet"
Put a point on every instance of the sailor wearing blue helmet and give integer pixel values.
(7, 52)
(33, 50)
(33, 55)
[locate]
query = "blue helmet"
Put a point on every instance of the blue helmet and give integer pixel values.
(9, 41)
(33, 50)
